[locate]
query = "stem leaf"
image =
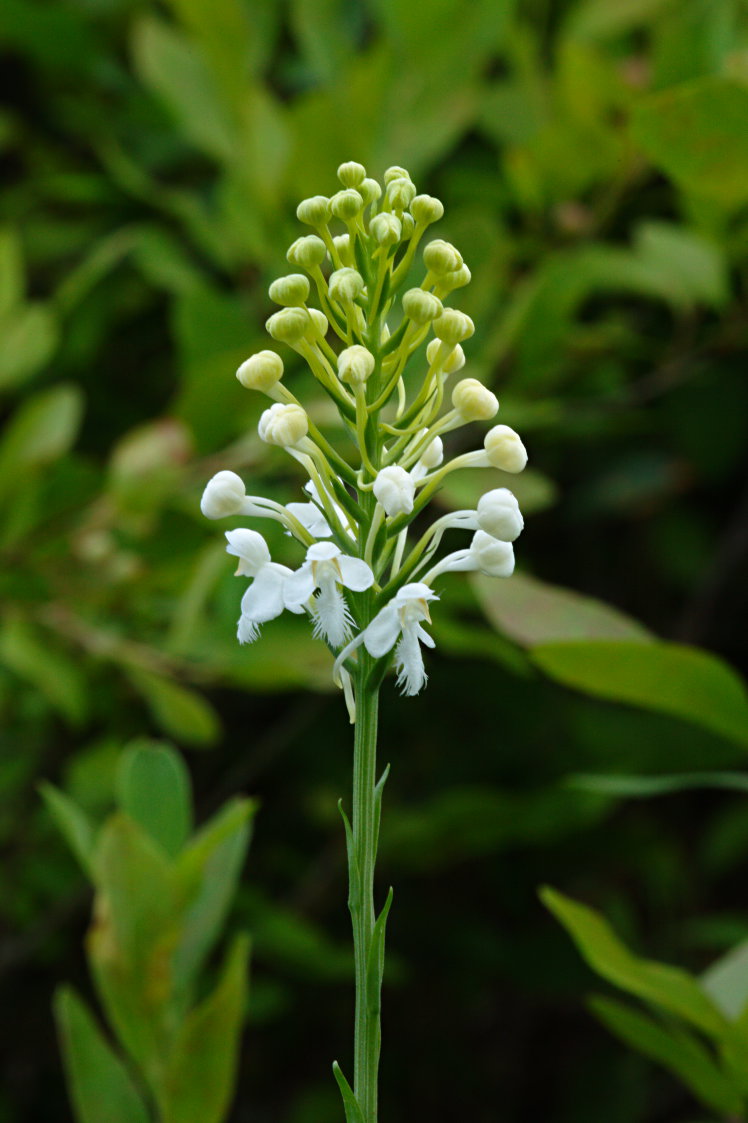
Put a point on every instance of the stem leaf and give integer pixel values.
(378, 790)
(354, 878)
(375, 960)
(353, 1113)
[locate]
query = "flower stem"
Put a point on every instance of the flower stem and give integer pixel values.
(365, 827)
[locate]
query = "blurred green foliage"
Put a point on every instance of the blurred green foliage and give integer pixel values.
(593, 162)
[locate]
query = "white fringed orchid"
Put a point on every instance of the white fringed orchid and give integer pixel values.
(264, 598)
(327, 568)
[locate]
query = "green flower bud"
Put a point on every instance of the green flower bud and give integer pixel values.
(408, 225)
(369, 191)
(343, 245)
(400, 193)
(441, 257)
(421, 307)
(307, 252)
(314, 211)
(345, 285)
(505, 449)
(351, 174)
(318, 325)
(290, 290)
(385, 229)
(289, 325)
(454, 361)
(455, 280)
(346, 204)
(474, 400)
(396, 173)
(426, 209)
(452, 326)
(261, 371)
(355, 364)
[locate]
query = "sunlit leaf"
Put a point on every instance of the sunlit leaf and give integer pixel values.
(153, 788)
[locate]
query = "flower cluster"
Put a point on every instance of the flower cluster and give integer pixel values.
(363, 583)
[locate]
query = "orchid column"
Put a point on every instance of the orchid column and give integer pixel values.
(365, 584)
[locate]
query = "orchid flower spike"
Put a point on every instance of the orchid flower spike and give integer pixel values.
(263, 599)
(327, 568)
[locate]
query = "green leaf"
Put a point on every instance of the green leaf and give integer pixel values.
(180, 712)
(353, 1113)
(40, 431)
(603, 19)
(153, 788)
(200, 1075)
(29, 336)
(657, 983)
(533, 612)
(12, 275)
(100, 1085)
(644, 787)
(25, 650)
(683, 681)
(697, 134)
(726, 981)
(73, 824)
(208, 871)
(675, 1049)
(375, 960)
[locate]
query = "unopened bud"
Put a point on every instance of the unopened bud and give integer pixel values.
(369, 191)
(289, 325)
(400, 193)
(351, 174)
(291, 290)
(499, 514)
(426, 209)
(346, 204)
(420, 306)
(441, 257)
(345, 285)
(261, 371)
(408, 225)
(452, 326)
(318, 325)
(342, 244)
(283, 425)
(395, 490)
(307, 252)
(505, 449)
(433, 454)
(492, 557)
(385, 229)
(355, 364)
(454, 361)
(395, 173)
(223, 496)
(314, 211)
(474, 400)
(456, 280)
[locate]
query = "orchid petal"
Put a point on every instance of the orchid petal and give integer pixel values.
(381, 634)
(356, 574)
(299, 586)
(263, 599)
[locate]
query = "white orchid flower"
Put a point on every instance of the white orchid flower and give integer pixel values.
(263, 599)
(327, 568)
(399, 622)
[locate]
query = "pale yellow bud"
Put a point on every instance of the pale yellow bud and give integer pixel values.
(421, 307)
(318, 325)
(346, 204)
(385, 229)
(456, 280)
(261, 371)
(314, 211)
(355, 364)
(474, 400)
(291, 290)
(505, 449)
(369, 191)
(307, 252)
(395, 173)
(452, 326)
(351, 174)
(441, 257)
(283, 425)
(289, 325)
(426, 209)
(408, 225)
(345, 285)
(453, 362)
(342, 244)
(400, 193)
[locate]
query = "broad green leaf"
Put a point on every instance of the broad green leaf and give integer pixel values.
(692, 39)
(200, 1075)
(683, 681)
(101, 1088)
(180, 712)
(675, 1049)
(533, 612)
(603, 19)
(12, 276)
(697, 134)
(657, 983)
(153, 788)
(40, 431)
(208, 871)
(29, 336)
(353, 1113)
(73, 824)
(25, 650)
(173, 68)
(644, 787)
(726, 981)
